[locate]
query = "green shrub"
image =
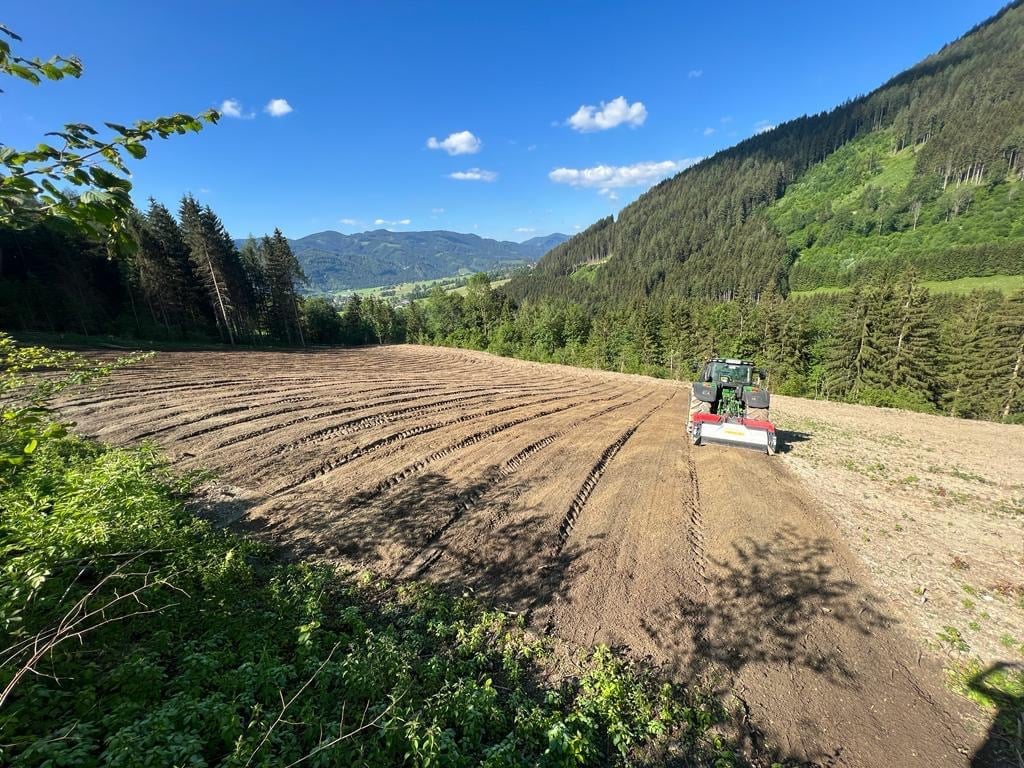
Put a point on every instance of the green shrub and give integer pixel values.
(208, 651)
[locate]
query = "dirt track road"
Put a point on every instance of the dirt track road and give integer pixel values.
(571, 495)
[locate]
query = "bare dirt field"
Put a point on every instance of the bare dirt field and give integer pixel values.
(814, 585)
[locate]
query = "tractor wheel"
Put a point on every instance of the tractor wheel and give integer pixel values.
(698, 406)
(758, 414)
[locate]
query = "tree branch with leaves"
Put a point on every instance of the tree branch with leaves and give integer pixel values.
(77, 176)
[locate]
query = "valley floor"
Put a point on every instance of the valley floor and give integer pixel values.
(574, 497)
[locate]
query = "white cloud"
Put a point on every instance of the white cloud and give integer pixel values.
(350, 222)
(437, 210)
(525, 230)
(460, 143)
(762, 126)
(531, 148)
(473, 174)
(277, 107)
(231, 108)
(234, 108)
(386, 223)
(605, 178)
(708, 131)
(726, 119)
(694, 73)
(618, 111)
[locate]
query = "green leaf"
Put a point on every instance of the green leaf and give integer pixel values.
(31, 446)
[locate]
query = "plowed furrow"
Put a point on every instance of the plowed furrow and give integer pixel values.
(506, 469)
(111, 396)
(332, 464)
(593, 477)
(346, 407)
(357, 425)
(196, 407)
(317, 403)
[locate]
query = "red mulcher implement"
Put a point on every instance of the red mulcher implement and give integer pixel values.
(729, 405)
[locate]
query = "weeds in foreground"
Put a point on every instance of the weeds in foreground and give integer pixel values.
(136, 635)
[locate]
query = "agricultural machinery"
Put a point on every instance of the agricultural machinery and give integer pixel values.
(729, 405)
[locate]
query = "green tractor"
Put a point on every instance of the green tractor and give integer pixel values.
(729, 405)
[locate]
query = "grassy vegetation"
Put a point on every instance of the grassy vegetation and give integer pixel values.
(462, 289)
(587, 272)
(861, 210)
(998, 689)
(404, 290)
(1004, 284)
(224, 656)
(421, 288)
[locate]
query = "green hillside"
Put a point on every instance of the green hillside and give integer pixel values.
(858, 215)
(833, 198)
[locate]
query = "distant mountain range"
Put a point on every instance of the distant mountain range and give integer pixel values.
(337, 262)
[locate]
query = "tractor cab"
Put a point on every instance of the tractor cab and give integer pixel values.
(731, 373)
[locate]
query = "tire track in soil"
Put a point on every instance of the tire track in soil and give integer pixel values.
(270, 458)
(360, 405)
(356, 425)
(355, 404)
(333, 464)
(555, 567)
(145, 412)
(315, 397)
(421, 562)
(410, 470)
(593, 477)
(695, 530)
(348, 406)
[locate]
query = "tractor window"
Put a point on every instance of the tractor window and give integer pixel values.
(731, 374)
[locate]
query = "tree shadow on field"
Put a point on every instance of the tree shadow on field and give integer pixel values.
(469, 534)
(364, 527)
(222, 505)
(763, 605)
(1004, 744)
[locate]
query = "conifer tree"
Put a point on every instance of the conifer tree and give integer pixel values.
(168, 238)
(967, 343)
(913, 363)
(1008, 357)
(854, 357)
(282, 272)
(206, 256)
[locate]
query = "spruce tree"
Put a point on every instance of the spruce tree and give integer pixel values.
(854, 359)
(206, 257)
(1008, 357)
(282, 273)
(967, 345)
(913, 363)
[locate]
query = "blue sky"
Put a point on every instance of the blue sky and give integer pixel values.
(544, 115)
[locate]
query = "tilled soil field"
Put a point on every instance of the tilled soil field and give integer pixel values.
(572, 496)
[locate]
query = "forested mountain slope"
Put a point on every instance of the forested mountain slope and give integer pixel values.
(334, 261)
(924, 171)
